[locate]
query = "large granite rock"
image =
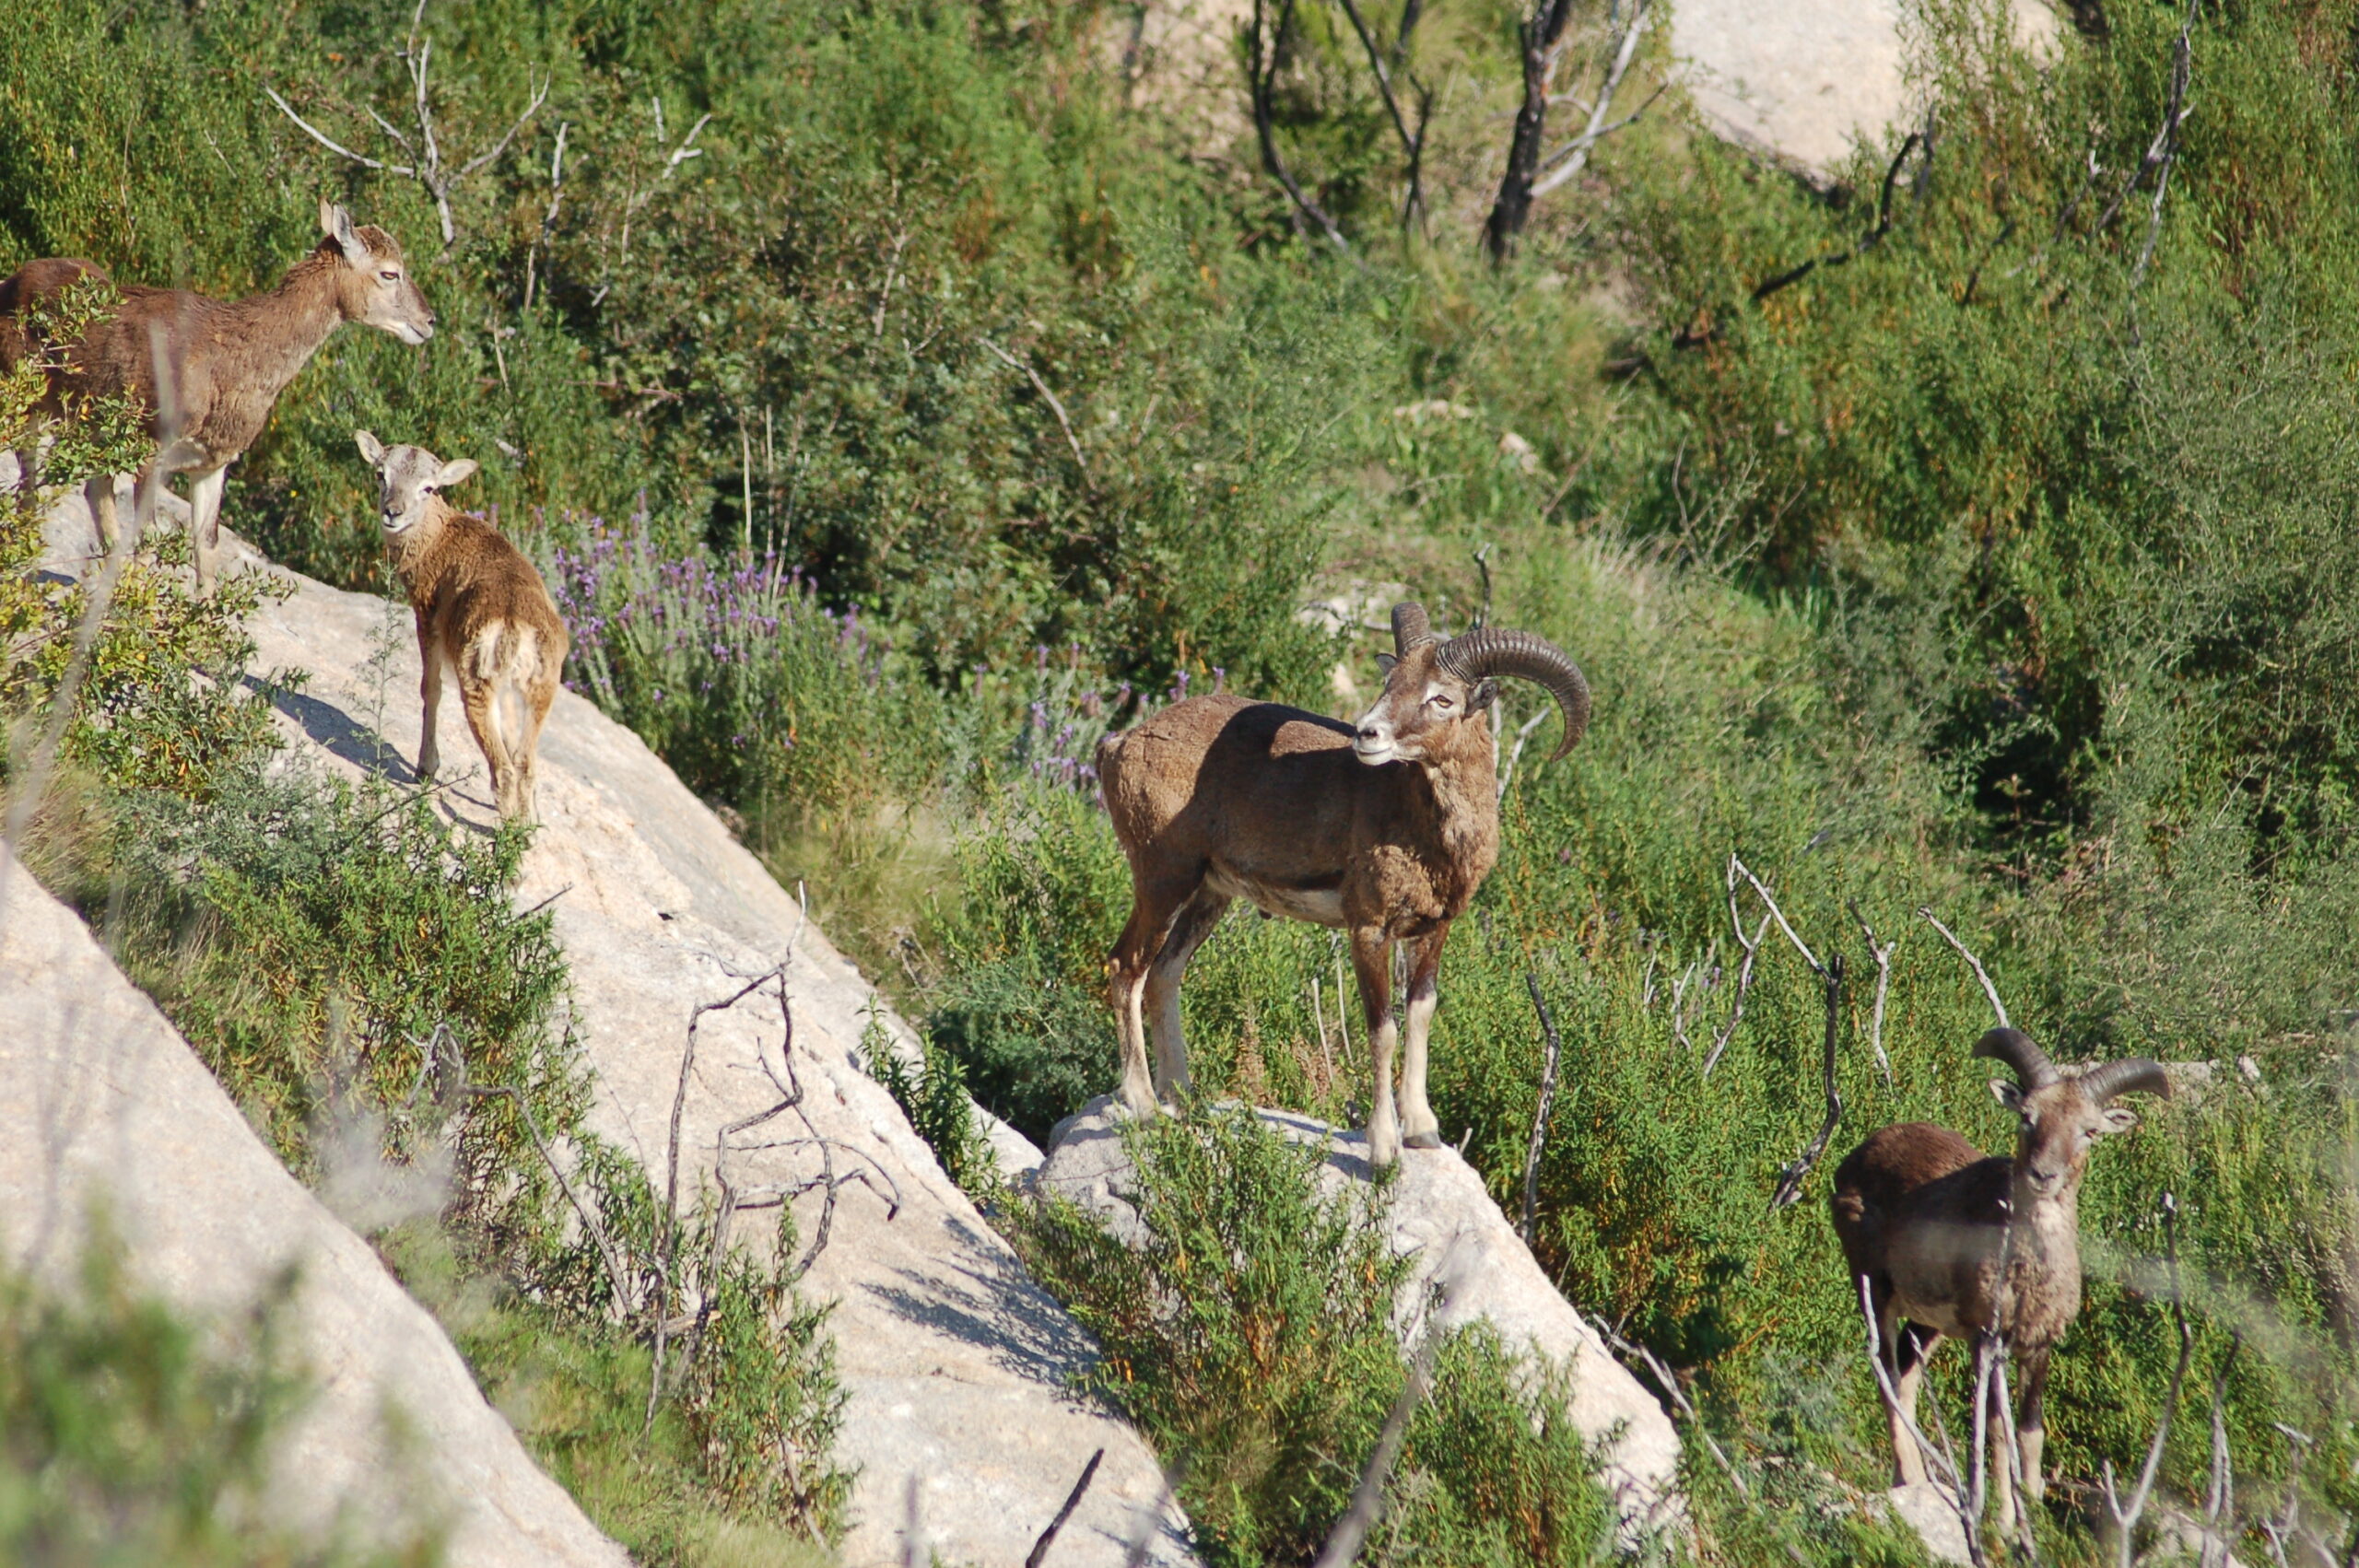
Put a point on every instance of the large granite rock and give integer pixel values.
(958, 1366)
(106, 1114)
(1465, 1260)
(1806, 79)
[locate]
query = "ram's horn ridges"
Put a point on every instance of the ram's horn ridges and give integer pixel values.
(1409, 627)
(2130, 1075)
(1495, 653)
(2032, 1070)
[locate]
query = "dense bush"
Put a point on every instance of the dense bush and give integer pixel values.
(130, 1433)
(1250, 1332)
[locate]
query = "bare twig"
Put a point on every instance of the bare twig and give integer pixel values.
(1522, 738)
(2125, 1519)
(1039, 1552)
(1569, 160)
(426, 165)
(616, 1277)
(1790, 1180)
(1367, 1498)
(1941, 1460)
(1413, 144)
(1738, 867)
(1041, 387)
(1926, 914)
(1744, 974)
(1629, 1350)
(548, 218)
(1540, 1112)
(2163, 151)
(2220, 1502)
(1262, 63)
(1868, 241)
(669, 1219)
(1881, 953)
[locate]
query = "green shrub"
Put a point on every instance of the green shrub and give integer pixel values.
(328, 950)
(933, 1095)
(1249, 1333)
(130, 1433)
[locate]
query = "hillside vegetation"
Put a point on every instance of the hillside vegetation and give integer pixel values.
(900, 395)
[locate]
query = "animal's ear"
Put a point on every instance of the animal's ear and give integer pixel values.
(1485, 692)
(1384, 663)
(456, 472)
(2008, 1093)
(2116, 1119)
(337, 224)
(373, 451)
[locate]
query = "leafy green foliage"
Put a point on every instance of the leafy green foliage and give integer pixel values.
(319, 944)
(733, 1467)
(130, 1433)
(932, 1093)
(1249, 1331)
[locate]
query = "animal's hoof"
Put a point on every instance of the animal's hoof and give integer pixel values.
(1422, 1140)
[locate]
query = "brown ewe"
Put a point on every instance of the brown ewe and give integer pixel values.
(208, 371)
(483, 617)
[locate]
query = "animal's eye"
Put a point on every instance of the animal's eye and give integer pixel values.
(390, 276)
(1438, 700)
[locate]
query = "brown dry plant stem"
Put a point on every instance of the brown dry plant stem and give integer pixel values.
(1350, 1534)
(436, 177)
(1540, 1112)
(1039, 1552)
(2125, 1516)
(1264, 52)
(1790, 1181)
(1542, 36)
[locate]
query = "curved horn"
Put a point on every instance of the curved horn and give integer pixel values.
(2130, 1075)
(1494, 652)
(2032, 1070)
(1409, 627)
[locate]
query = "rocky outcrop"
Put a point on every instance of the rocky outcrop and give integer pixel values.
(958, 1367)
(1803, 80)
(1464, 1258)
(108, 1119)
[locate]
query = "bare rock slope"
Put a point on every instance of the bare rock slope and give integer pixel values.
(106, 1114)
(957, 1364)
(1465, 1260)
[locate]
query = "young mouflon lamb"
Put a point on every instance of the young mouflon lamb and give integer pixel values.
(483, 617)
(206, 371)
(1384, 829)
(1954, 1242)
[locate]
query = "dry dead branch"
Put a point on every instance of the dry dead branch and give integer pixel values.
(1926, 914)
(1263, 52)
(2126, 1516)
(426, 165)
(1350, 1531)
(1941, 1460)
(1055, 405)
(1567, 161)
(1790, 1180)
(1039, 1551)
(1881, 953)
